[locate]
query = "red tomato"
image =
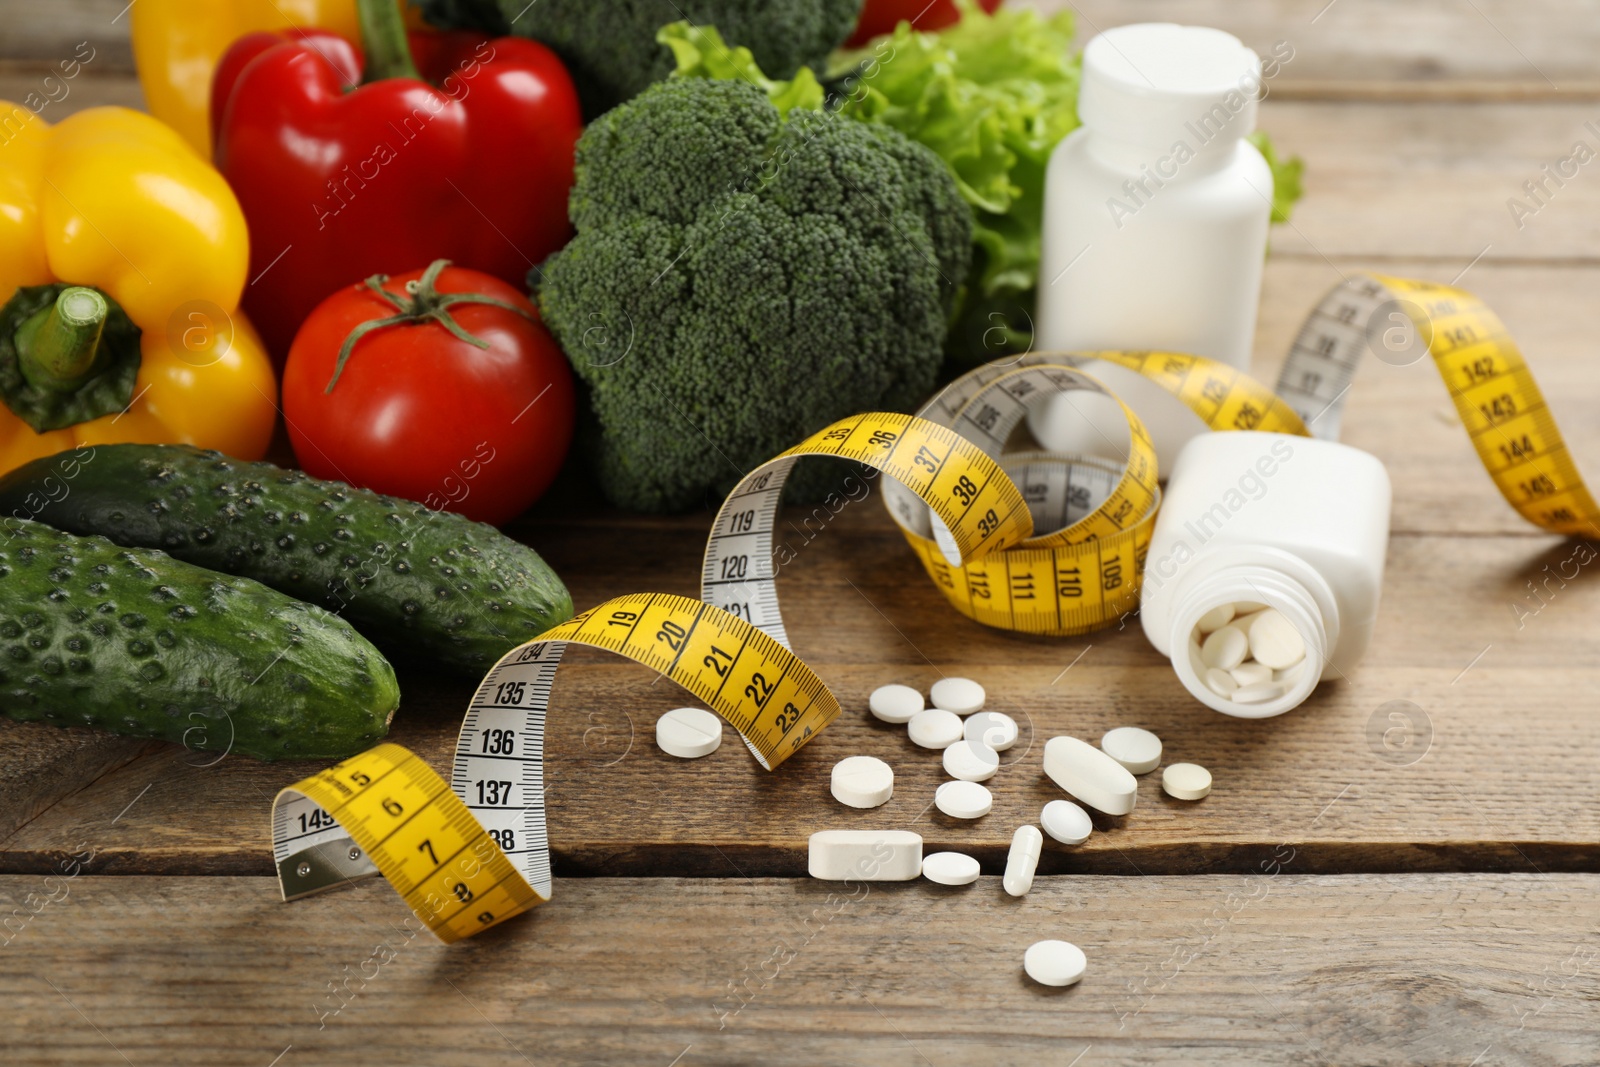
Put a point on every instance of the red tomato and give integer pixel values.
(882, 16)
(419, 413)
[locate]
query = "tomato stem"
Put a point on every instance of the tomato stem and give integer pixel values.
(423, 303)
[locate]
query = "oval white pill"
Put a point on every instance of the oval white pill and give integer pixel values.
(971, 761)
(862, 782)
(1251, 673)
(1136, 749)
(1057, 963)
(688, 733)
(935, 728)
(895, 703)
(950, 868)
(963, 800)
(1219, 681)
(1215, 619)
(960, 695)
(866, 855)
(1248, 607)
(1275, 642)
(1066, 822)
(1259, 693)
(1225, 648)
(1090, 775)
(1022, 860)
(993, 728)
(1186, 781)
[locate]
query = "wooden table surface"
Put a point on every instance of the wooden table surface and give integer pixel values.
(1357, 889)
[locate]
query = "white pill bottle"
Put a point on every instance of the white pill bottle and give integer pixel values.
(1297, 524)
(1155, 224)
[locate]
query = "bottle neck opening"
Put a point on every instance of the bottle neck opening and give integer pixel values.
(1239, 597)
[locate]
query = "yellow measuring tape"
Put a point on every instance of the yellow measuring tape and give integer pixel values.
(971, 494)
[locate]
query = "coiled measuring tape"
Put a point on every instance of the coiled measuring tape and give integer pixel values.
(468, 854)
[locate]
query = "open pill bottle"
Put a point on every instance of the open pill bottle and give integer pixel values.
(1276, 537)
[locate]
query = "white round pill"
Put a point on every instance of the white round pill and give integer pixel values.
(895, 703)
(1275, 642)
(935, 728)
(688, 733)
(1215, 619)
(1186, 781)
(1022, 860)
(1225, 648)
(1057, 963)
(963, 800)
(1251, 673)
(1219, 681)
(1136, 749)
(971, 761)
(950, 868)
(862, 782)
(993, 728)
(1066, 822)
(960, 695)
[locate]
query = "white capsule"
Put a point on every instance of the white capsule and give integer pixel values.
(1248, 607)
(1275, 642)
(1054, 963)
(1136, 749)
(1066, 822)
(971, 761)
(688, 733)
(934, 728)
(960, 695)
(862, 782)
(1022, 860)
(895, 703)
(993, 728)
(1215, 619)
(1225, 648)
(1186, 781)
(1251, 673)
(1090, 775)
(1219, 681)
(950, 868)
(865, 855)
(963, 800)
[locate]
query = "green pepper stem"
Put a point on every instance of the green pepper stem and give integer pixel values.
(383, 36)
(57, 347)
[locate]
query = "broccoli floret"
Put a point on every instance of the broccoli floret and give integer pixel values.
(739, 280)
(610, 48)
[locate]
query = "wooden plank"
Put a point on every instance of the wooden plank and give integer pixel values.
(1542, 46)
(1242, 970)
(1501, 785)
(40, 764)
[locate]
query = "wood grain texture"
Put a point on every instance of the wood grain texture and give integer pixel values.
(1270, 969)
(1503, 778)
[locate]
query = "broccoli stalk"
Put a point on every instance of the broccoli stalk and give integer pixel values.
(610, 46)
(740, 279)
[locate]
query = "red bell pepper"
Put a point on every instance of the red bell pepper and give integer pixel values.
(340, 181)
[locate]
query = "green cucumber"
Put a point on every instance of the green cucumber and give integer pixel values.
(427, 585)
(136, 642)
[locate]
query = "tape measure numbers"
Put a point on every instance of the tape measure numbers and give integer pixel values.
(1498, 401)
(1021, 540)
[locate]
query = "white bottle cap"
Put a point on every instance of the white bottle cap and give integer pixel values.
(1157, 82)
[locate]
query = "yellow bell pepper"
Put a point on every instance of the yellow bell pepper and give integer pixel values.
(177, 43)
(112, 200)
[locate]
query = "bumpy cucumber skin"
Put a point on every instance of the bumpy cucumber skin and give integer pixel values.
(427, 585)
(133, 641)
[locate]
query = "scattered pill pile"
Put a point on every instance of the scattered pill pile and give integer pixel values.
(1246, 652)
(1245, 648)
(970, 740)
